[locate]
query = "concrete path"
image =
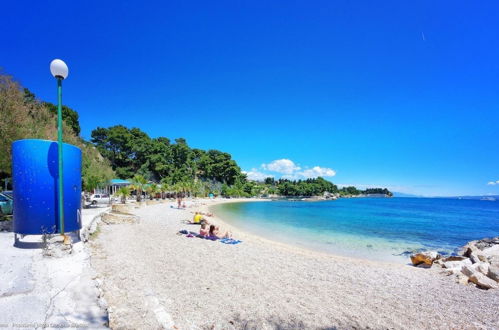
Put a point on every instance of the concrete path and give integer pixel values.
(37, 291)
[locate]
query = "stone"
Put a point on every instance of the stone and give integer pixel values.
(462, 279)
(454, 258)
(457, 264)
(493, 273)
(475, 257)
(486, 243)
(493, 260)
(423, 265)
(449, 272)
(483, 281)
(469, 248)
(482, 258)
(491, 251)
(56, 239)
(482, 267)
(468, 270)
(427, 258)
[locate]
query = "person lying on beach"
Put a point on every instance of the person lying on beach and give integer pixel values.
(203, 231)
(216, 232)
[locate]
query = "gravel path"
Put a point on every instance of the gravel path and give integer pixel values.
(153, 277)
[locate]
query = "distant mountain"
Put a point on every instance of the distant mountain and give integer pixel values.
(399, 194)
(484, 197)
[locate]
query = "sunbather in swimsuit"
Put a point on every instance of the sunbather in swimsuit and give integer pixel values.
(203, 231)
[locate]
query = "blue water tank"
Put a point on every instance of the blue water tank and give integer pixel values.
(36, 188)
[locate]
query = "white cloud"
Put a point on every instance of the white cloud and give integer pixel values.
(310, 173)
(287, 169)
(283, 166)
(493, 183)
(256, 175)
(317, 171)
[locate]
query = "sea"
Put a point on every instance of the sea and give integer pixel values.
(381, 229)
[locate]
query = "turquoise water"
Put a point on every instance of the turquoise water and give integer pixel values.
(374, 228)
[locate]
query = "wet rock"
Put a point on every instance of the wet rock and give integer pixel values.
(427, 258)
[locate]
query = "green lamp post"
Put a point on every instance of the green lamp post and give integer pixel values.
(59, 70)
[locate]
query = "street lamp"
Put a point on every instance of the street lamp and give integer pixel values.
(59, 70)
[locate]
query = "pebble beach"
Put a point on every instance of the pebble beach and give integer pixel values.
(152, 278)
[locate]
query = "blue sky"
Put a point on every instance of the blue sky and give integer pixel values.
(379, 93)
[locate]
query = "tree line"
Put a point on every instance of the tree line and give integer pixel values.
(154, 165)
(131, 151)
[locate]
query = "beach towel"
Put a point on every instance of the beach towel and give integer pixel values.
(230, 241)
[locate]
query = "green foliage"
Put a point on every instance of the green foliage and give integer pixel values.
(69, 116)
(132, 151)
(138, 184)
(123, 192)
(129, 152)
(22, 116)
(309, 187)
(382, 191)
(349, 191)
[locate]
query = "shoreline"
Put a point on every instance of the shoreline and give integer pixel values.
(153, 277)
(241, 233)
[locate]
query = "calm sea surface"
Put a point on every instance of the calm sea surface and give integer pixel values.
(373, 228)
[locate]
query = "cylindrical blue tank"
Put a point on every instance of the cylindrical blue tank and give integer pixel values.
(35, 187)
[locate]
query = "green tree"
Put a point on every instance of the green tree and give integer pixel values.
(123, 192)
(138, 184)
(22, 116)
(69, 116)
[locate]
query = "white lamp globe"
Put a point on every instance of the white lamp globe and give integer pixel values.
(59, 69)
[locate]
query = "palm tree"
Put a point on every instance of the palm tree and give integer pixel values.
(152, 189)
(166, 185)
(123, 192)
(138, 183)
(163, 188)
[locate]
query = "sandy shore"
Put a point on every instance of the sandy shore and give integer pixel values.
(154, 278)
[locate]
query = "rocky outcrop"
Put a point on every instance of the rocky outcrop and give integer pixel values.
(424, 259)
(493, 272)
(477, 263)
(483, 282)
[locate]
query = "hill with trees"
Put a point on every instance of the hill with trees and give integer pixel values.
(130, 153)
(25, 117)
